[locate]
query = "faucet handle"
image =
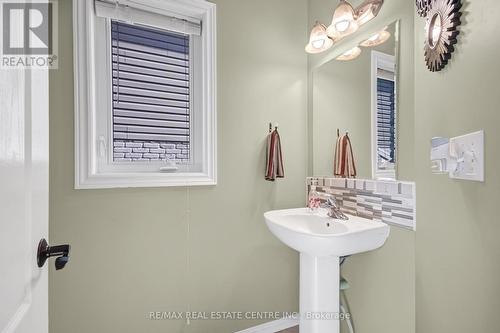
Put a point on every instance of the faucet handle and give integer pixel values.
(335, 212)
(331, 200)
(327, 203)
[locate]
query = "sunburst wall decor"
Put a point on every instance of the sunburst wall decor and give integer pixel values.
(423, 7)
(443, 20)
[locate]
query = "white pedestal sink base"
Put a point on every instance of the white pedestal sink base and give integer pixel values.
(319, 294)
(321, 240)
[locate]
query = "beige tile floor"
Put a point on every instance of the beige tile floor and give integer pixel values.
(291, 330)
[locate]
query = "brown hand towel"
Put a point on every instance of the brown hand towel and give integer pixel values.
(274, 157)
(343, 163)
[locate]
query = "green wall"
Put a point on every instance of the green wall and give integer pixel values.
(131, 247)
(203, 249)
(457, 245)
(382, 293)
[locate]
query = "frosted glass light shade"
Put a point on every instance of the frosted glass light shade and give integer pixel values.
(368, 10)
(343, 21)
(350, 55)
(318, 40)
(377, 39)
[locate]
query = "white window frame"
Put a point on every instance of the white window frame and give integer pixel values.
(89, 171)
(388, 63)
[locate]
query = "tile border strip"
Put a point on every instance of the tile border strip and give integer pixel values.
(392, 202)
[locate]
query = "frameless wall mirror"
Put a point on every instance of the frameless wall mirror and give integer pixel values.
(356, 92)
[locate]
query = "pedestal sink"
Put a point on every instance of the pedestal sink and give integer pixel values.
(321, 242)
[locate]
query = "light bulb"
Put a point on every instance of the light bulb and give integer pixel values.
(343, 22)
(377, 39)
(317, 44)
(342, 26)
(318, 40)
(350, 55)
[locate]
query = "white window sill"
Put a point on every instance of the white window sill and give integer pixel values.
(154, 179)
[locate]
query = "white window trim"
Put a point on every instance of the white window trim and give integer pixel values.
(387, 62)
(87, 175)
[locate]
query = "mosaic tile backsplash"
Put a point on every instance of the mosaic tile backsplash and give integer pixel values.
(392, 202)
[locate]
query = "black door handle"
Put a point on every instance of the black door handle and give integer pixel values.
(60, 251)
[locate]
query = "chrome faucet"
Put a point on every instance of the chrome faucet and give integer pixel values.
(333, 210)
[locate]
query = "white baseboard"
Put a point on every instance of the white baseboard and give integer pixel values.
(272, 326)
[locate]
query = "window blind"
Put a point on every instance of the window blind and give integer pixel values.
(136, 12)
(386, 136)
(151, 81)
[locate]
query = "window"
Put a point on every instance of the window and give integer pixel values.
(151, 94)
(145, 93)
(384, 116)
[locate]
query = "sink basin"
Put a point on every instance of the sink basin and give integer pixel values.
(319, 235)
(321, 242)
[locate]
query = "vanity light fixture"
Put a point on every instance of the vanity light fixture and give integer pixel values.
(318, 40)
(343, 21)
(377, 39)
(350, 55)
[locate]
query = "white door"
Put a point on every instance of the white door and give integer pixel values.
(24, 154)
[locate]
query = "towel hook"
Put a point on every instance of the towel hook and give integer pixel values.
(346, 132)
(271, 127)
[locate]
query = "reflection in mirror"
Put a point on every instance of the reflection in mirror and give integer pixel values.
(383, 115)
(358, 95)
(350, 54)
(435, 29)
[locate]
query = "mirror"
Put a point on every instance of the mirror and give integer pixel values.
(435, 29)
(356, 93)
